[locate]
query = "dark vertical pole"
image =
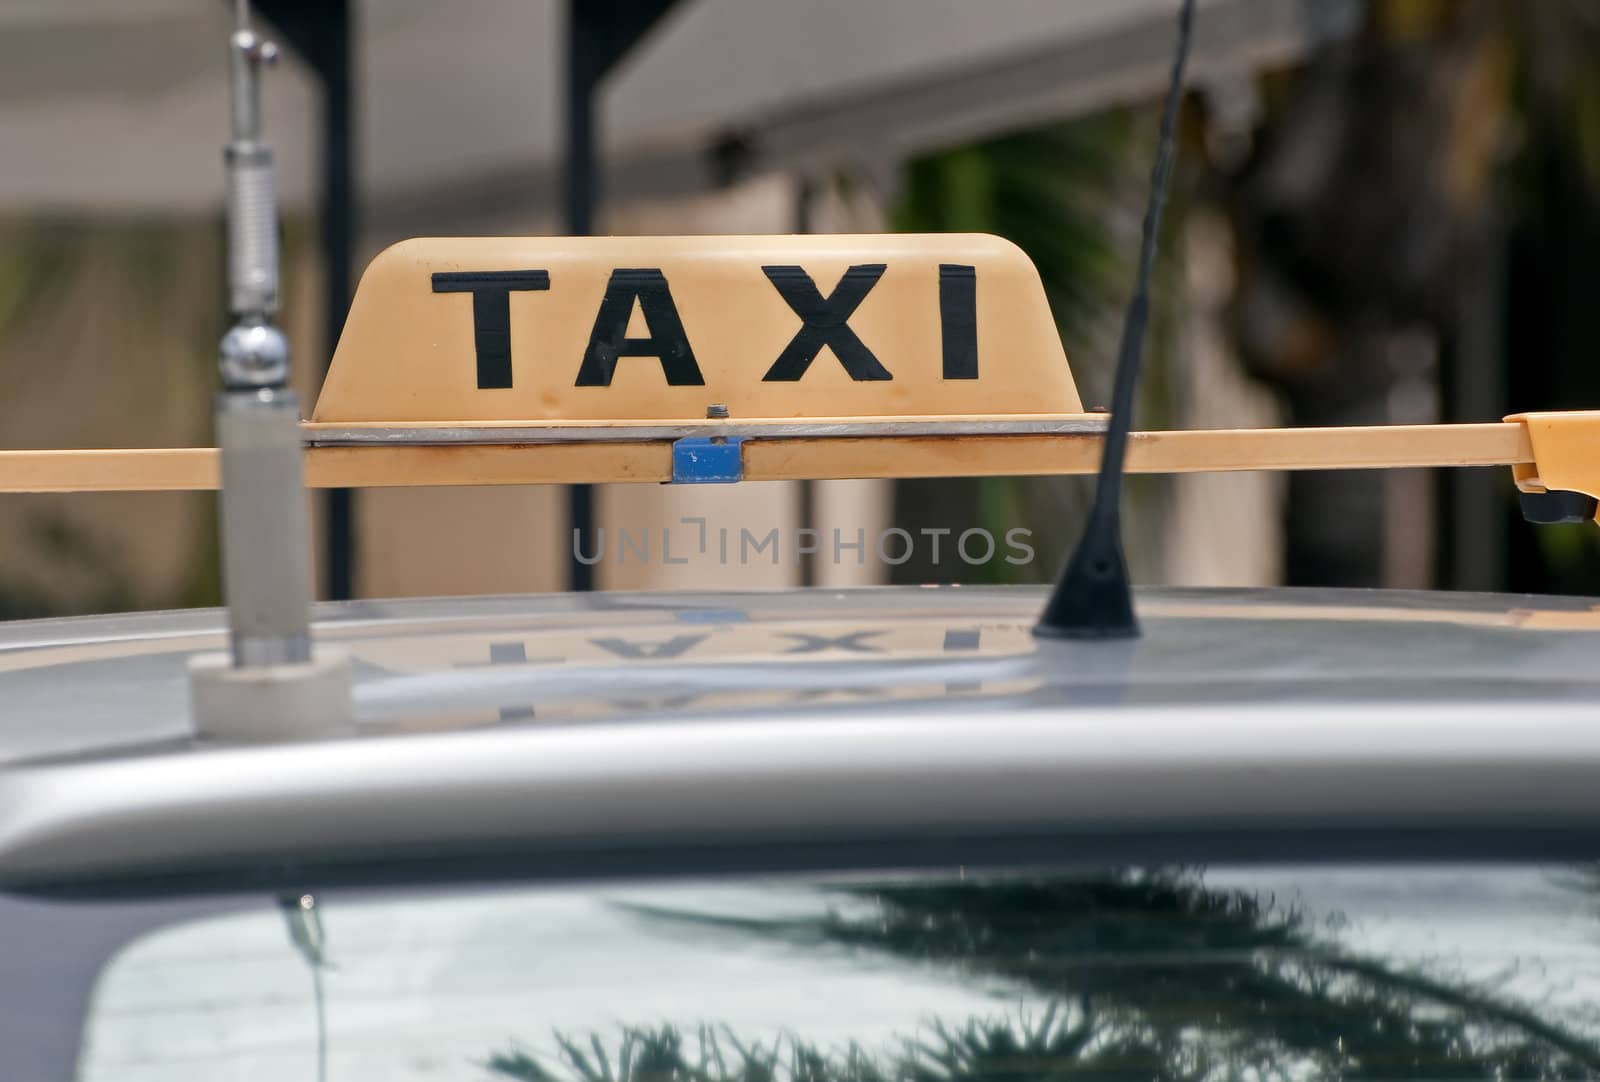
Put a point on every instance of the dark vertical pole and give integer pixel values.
(1472, 538)
(805, 196)
(583, 71)
(599, 33)
(323, 32)
(338, 237)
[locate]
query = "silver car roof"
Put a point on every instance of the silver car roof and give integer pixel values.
(117, 685)
(746, 729)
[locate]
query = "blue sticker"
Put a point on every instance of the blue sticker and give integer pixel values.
(707, 460)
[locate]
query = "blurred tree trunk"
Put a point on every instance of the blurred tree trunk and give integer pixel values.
(1351, 218)
(1375, 285)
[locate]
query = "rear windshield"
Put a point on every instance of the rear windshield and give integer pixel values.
(1383, 972)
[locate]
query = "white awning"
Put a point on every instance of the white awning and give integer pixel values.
(119, 105)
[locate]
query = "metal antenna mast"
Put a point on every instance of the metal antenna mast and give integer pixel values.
(269, 684)
(1093, 598)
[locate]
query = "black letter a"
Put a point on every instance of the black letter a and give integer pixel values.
(610, 340)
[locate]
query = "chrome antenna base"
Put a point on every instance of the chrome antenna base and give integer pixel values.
(269, 685)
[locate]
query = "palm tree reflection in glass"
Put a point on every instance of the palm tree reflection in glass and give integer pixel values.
(1148, 975)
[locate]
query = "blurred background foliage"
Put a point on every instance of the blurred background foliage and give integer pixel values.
(108, 333)
(1415, 225)
(1071, 196)
(1414, 216)
(1401, 228)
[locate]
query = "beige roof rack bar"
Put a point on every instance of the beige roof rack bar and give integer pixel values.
(567, 360)
(786, 458)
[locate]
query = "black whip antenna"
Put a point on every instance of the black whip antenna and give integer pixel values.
(1093, 599)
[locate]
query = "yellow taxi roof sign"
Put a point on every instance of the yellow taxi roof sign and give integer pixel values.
(545, 330)
(554, 360)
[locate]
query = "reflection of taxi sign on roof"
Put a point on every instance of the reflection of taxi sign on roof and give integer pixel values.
(659, 330)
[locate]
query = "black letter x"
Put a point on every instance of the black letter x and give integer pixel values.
(824, 323)
(851, 641)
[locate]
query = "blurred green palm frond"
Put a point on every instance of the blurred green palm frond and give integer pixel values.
(1069, 195)
(1050, 191)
